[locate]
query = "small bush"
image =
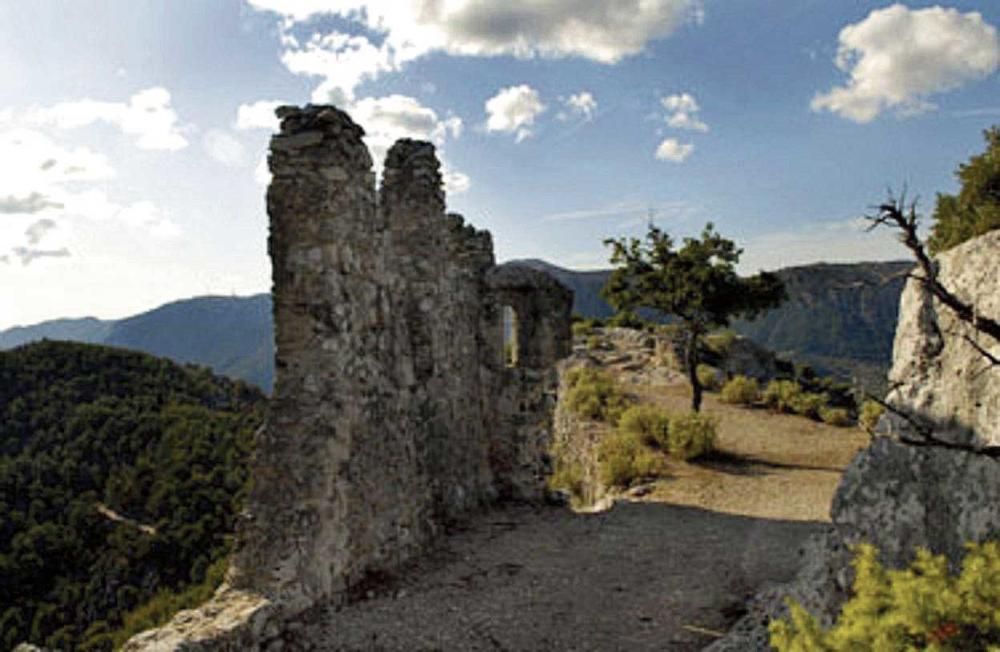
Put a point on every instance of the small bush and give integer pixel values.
(583, 328)
(691, 435)
(568, 477)
(593, 394)
(870, 413)
(838, 417)
(708, 376)
(594, 342)
(919, 608)
(623, 459)
(647, 422)
(808, 404)
(740, 390)
(781, 395)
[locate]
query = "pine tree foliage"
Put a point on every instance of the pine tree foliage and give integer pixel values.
(120, 479)
(922, 607)
(975, 210)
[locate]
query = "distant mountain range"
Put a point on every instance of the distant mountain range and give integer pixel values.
(232, 335)
(840, 319)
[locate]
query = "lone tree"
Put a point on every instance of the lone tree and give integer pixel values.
(697, 283)
(976, 208)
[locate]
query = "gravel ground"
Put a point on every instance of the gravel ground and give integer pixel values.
(641, 576)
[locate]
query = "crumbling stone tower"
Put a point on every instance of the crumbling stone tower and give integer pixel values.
(394, 411)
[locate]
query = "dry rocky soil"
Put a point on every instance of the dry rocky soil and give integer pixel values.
(666, 567)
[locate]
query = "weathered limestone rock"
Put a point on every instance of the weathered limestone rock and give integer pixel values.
(393, 411)
(897, 495)
(937, 375)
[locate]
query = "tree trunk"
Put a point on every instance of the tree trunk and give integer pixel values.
(692, 358)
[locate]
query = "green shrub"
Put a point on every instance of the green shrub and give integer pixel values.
(708, 376)
(649, 423)
(594, 394)
(870, 413)
(740, 390)
(919, 608)
(583, 328)
(568, 477)
(594, 342)
(623, 459)
(808, 404)
(781, 395)
(838, 417)
(691, 435)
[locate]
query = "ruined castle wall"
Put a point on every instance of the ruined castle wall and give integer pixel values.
(393, 413)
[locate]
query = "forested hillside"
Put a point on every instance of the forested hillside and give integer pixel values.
(120, 477)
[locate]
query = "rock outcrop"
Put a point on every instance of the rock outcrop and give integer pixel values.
(903, 492)
(394, 411)
(938, 376)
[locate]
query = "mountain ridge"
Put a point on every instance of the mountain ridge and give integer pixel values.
(840, 318)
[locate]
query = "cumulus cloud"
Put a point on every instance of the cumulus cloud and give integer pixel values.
(581, 105)
(409, 29)
(898, 57)
(387, 119)
(682, 112)
(225, 149)
(674, 151)
(513, 110)
(147, 116)
(259, 115)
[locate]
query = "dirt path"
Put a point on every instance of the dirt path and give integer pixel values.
(642, 576)
(660, 570)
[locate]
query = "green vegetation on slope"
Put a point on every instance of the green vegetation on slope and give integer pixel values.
(120, 476)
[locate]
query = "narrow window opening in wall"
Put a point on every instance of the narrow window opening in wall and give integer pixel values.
(509, 336)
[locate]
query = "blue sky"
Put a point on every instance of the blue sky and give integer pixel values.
(132, 133)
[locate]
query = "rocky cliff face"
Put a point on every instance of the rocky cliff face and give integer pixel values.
(938, 376)
(901, 493)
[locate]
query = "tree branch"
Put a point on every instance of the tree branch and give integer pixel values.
(896, 214)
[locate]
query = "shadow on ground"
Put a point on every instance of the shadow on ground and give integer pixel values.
(641, 576)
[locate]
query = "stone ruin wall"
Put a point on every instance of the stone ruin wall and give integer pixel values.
(394, 412)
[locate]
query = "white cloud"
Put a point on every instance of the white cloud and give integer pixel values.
(581, 105)
(259, 115)
(148, 116)
(455, 183)
(673, 150)
(897, 57)
(342, 60)
(592, 29)
(387, 119)
(409, 29)
(262, 173)
(224, 148)
(513, 110)
(45, 187)
(682, 112)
